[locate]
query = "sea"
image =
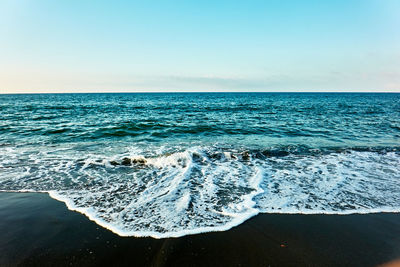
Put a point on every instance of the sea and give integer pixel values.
(173, 164)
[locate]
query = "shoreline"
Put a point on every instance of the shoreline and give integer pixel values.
(89, 214)
(38, 230)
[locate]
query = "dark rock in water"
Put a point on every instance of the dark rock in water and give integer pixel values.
(139, 161)
(275, 153)
(114, 163)
(245, 155)
(126, 161)
(217, 156)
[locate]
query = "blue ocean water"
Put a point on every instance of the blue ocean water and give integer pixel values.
(171, 164)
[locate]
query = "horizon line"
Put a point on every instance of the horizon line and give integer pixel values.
(188, 92)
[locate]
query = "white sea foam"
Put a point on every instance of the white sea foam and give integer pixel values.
(204, 189)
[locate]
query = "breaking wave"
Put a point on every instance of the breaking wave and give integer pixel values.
(174, 192)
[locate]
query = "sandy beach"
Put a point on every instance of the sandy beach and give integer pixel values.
(39, 231)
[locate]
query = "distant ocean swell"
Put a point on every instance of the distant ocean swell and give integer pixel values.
(201, 189)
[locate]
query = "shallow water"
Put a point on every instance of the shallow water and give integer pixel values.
(166, 165)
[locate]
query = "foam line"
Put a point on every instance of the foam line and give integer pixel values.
(235, 222)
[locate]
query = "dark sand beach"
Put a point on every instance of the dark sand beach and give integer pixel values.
(39, 231)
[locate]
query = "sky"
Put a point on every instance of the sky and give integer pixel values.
(216, 45)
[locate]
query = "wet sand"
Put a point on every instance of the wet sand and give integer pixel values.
(36, 230)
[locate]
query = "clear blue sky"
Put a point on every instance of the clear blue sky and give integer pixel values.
(276, 45)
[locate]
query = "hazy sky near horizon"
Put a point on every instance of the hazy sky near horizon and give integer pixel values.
(129, 46)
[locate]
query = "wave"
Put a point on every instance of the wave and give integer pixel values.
(174, 192)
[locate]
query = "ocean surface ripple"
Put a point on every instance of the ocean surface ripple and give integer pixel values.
(168, 165)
